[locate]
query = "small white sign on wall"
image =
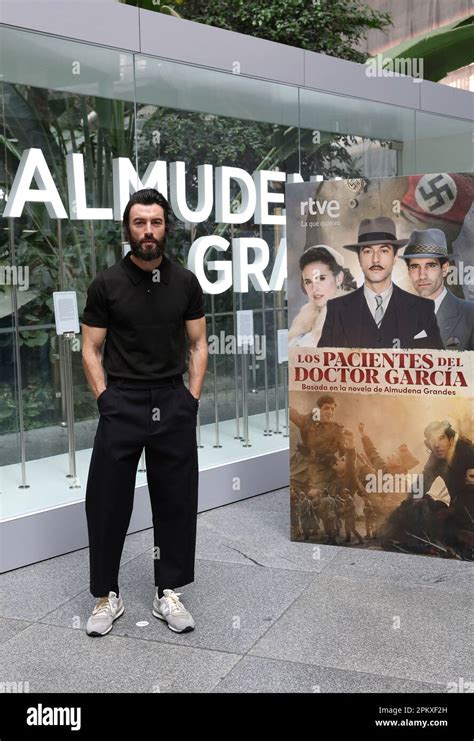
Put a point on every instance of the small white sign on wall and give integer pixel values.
(66, 315)
(282, 345)
(245, 336)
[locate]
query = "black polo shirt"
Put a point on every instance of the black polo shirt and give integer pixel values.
(144, 313)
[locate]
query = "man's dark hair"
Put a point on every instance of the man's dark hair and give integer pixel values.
(146, 197)
(325, 399)
(441, 260)
(444, 427)
(331, 458)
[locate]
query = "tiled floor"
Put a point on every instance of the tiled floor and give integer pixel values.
(271, 616)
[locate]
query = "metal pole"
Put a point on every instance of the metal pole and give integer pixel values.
(198, 432)
(245, 409)
(237, 435)
(62, 360)
(214, 367)
(19, 382)
(62, 381)
(68, 338)
(253, 368)
(93, 251)
(61, 256)
(285, 398)
(276, 326)
(277, 430)
(267, 432)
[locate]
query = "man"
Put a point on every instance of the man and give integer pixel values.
(452, 459)
(370, 515)
(349, 514)
(343, 464)
(319, 432)
(327, 513)
(139, 311)
(321, 436)
(345, 485)
(315, 497)
(443, 199)
(307, 515)
(379, 314)
(427, 260)
(428, 525)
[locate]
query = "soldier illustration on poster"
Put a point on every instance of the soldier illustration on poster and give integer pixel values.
(381, 355)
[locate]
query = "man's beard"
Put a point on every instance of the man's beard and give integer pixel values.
(147, 254)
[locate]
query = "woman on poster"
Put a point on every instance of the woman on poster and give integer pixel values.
(323, 276)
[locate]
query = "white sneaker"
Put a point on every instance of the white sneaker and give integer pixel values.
(170, 609)
(103, 615)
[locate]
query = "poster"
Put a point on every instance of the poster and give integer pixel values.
(381, 356)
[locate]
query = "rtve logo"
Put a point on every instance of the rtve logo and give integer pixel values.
(315, 207)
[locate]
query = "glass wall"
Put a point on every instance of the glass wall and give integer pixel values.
(443, 144)
(65, 98)
(199, 117)
(62, 98)
(356, 137)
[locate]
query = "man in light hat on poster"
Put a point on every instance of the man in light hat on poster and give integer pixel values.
(379, 314)
(427, 259)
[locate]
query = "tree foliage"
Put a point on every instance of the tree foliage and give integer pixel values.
(333, 27)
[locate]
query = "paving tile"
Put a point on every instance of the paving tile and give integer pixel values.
(243, 532)
(233, 605)
(402, 568)
(33, 591)
(409, 632)
(53, 659)
(9, 628)
(253, 674)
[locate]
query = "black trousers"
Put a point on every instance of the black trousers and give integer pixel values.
(162, 420)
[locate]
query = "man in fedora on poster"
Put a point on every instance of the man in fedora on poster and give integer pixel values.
(427, 259)
(379, 314)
